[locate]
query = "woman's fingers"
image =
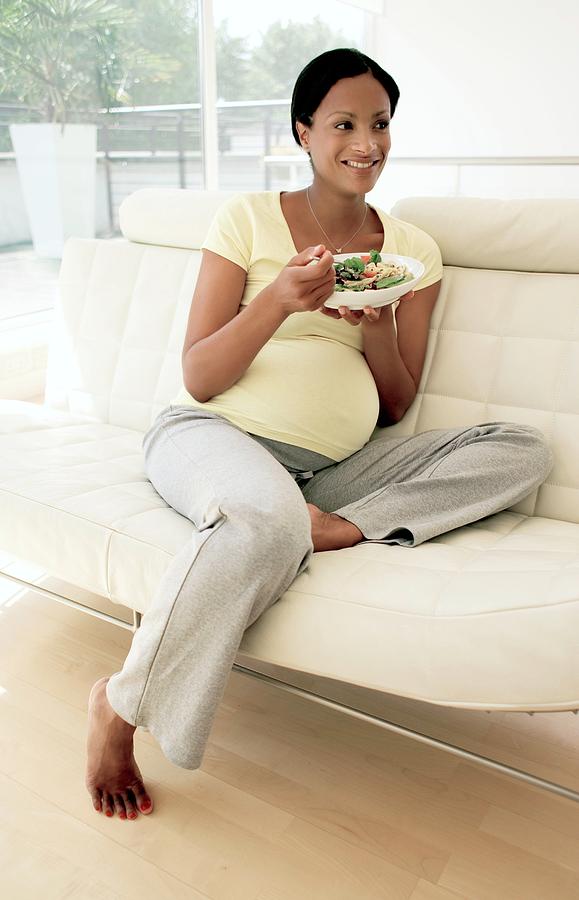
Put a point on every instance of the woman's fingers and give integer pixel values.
(371, 314)
(352, 316)
(328, 311)
(319, 269)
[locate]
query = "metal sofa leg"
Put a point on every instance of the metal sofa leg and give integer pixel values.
(468, 755)
(30, 586)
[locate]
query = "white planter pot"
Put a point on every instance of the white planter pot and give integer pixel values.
(57, 171)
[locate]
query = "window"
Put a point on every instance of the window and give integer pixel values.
(145, 57)
(259, 55)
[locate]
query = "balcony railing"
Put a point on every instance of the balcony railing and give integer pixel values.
(162, 145)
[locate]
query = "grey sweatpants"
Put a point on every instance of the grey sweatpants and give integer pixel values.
(246, 497)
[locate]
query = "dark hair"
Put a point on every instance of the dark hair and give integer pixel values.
(321, 74)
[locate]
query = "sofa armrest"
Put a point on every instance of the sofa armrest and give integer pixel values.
(24, 360)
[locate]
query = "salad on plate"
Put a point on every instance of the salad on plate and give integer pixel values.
(368, 272)
(372, 279)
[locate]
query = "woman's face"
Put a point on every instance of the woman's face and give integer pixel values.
(349, 138)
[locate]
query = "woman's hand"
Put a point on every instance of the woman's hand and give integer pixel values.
(303, 285)
(368, 315)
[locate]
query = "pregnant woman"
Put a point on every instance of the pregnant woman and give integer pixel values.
(267, 447)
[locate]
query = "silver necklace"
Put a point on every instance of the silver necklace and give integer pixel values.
(337, 249)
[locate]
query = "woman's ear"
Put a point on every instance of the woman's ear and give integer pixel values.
(303, 136)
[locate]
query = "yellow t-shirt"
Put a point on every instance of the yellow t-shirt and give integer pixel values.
(310, 384)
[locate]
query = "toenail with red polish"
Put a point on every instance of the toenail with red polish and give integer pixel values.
(146, 804)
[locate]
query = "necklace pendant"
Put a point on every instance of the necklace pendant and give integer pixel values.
(349, 241)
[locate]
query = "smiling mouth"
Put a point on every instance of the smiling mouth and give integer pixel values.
(364, 166)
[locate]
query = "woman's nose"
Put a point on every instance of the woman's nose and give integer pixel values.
(365, 142)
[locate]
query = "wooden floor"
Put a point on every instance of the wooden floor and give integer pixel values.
(294, 801)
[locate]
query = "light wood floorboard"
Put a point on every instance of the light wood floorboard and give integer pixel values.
(293, 800)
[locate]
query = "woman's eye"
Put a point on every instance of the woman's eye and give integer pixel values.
(383, 125)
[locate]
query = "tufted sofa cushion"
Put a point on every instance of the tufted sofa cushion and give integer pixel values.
(504, 343)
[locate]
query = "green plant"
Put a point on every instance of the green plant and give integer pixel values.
(62, 56)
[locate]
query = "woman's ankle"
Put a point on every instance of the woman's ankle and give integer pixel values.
(353, 532)
(331, 531)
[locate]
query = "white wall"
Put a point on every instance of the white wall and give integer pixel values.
(484, 79)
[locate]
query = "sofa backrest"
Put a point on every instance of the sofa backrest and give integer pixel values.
(504, 341)
(120, 320)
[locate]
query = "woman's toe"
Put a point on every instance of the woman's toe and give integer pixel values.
(129, 805)
(144, 802)
(120, 807)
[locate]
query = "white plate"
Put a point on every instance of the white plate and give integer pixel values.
(381, 296)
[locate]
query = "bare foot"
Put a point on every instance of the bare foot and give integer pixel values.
(113, 778)
(332, 532)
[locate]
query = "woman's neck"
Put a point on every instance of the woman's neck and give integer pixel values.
(331, 207)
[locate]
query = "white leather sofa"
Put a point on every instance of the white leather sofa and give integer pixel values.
(485, 617)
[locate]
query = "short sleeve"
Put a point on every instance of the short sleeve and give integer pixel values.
(425, 248)
(231, 232)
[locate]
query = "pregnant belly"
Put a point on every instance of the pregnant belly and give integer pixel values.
(309, 387)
